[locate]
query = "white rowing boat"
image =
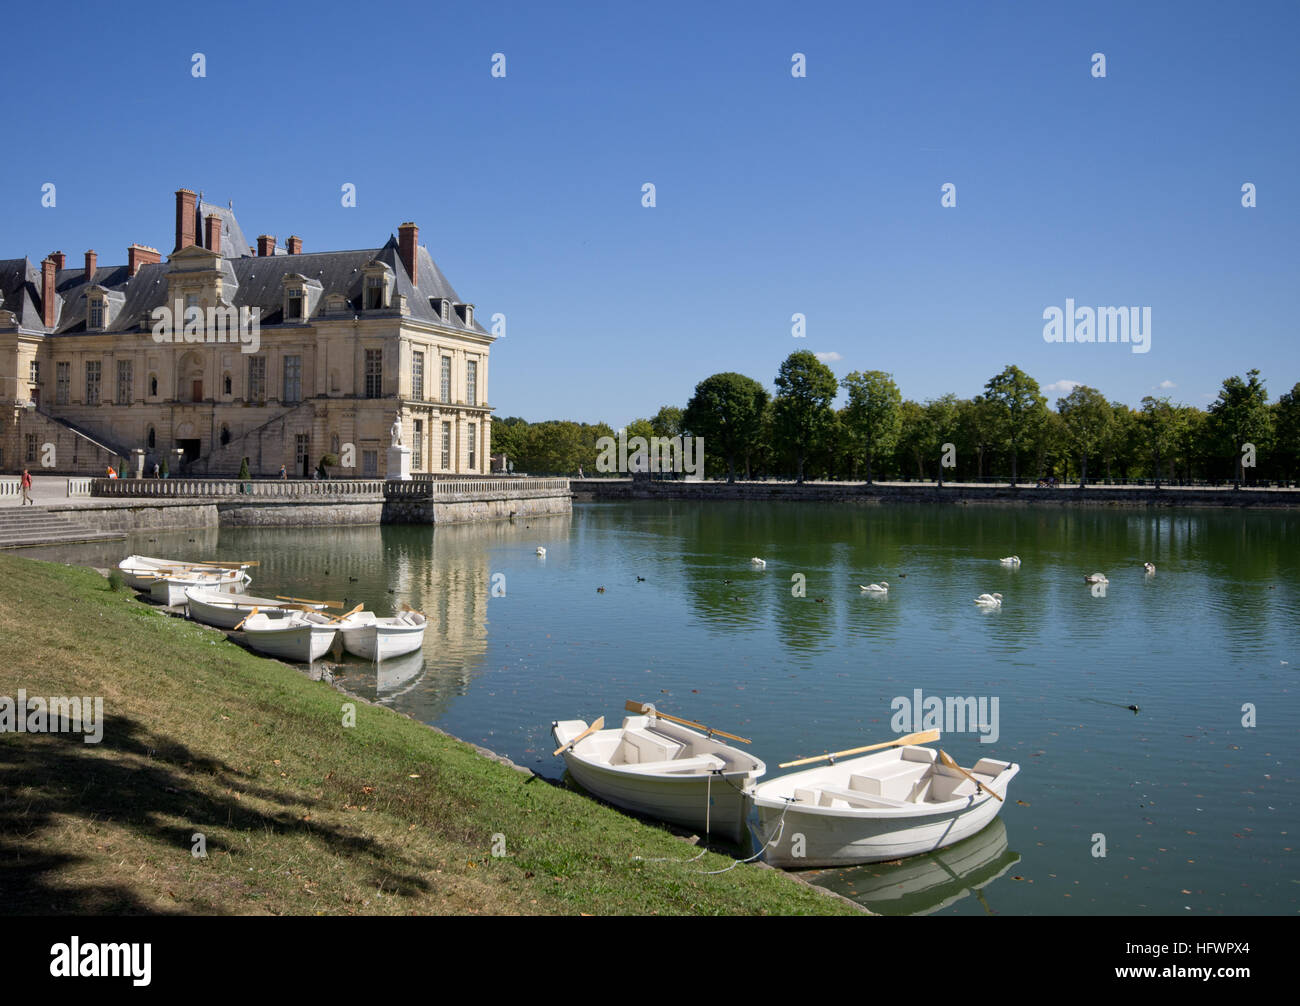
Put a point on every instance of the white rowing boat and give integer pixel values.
(169, 587)
(226, 610)
(374, 637)
(301, 636)
(888, 805)
(669, 772)
(140, 571)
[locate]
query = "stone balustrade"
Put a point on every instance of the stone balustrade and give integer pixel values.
(205, 488)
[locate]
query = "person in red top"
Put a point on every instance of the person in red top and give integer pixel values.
(27, 488)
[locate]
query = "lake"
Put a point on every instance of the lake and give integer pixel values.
(1195, 810)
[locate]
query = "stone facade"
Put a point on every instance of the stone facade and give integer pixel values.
(345, 341)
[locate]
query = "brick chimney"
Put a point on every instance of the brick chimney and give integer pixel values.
(212, 232)
(140, 255)
(59, 259)
(184, 219)
(408, 236)
(294, 244)
(91, 259)
(265, 245)
(47, 291)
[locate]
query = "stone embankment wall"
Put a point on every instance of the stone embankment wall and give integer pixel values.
(610, 490)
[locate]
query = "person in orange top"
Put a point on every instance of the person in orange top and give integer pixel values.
(111, 474)
(27, 488)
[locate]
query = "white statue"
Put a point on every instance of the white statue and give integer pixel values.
(396, 431)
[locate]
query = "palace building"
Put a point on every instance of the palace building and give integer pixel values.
(98, 361)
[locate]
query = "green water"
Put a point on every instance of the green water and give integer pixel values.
(1198, 812)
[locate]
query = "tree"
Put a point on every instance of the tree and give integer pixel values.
(1159, 425)
(1286, 431)
(912, 437)
(509, 436)
(977, 423)
(667, 422)
(1087, 417)
(939, 427)
(1018, 409)
(727, 411)
(1241, 416)
(872, 419)
(805, 388)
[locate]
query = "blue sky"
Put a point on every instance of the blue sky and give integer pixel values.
(775, 195)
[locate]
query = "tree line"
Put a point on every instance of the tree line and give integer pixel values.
(1007, 432)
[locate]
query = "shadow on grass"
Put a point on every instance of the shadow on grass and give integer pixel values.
(141, 781)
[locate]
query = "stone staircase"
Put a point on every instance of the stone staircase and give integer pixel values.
(33, 525)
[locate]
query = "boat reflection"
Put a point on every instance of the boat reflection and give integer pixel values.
(926, 884)
(397, 675)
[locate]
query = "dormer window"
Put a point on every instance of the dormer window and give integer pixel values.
(301, 296)
(96, 319)
(442, 306)
(465, 312)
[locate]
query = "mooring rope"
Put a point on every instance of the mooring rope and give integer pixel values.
(780, 828)
(708, 796)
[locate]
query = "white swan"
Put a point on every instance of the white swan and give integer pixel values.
(541, 551)
(1096, 578)
(1150, 567)
(1011, 560)
(758, 563)
(989, 600)
(875, 588)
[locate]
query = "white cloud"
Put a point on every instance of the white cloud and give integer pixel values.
(1063, 387)
(828, 357)
(1166, 384)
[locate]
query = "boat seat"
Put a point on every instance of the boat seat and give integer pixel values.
(894, 781)
(861, 799)
(641, 746)
(698, 764)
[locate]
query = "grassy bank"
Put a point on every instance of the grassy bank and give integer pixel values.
(299, 813)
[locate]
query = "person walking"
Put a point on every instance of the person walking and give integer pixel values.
(155, 469)
(27, 488)
(283, 474)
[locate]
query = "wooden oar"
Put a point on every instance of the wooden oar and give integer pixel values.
(407, 607)
(924, 737)
(245, 619)
(339, 618)
(632, 706)
(308, 600)
(598, 725)
(943, 757)
(241, 564)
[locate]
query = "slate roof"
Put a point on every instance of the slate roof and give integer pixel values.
(249, 281)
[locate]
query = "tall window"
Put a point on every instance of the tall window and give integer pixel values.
(93, 368)
(417, 376)
(34, 372)
(471, 382)
(446, 446)
(31, 447)
(292, 379)
(62, 383)
(125, 373)
(473, 442)
(374, 292)
(153, 438)
(302, 443)
(96, 312)
(446, 380)
(369, 462)
(374, 373)
(417, 443)
(257, 379)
